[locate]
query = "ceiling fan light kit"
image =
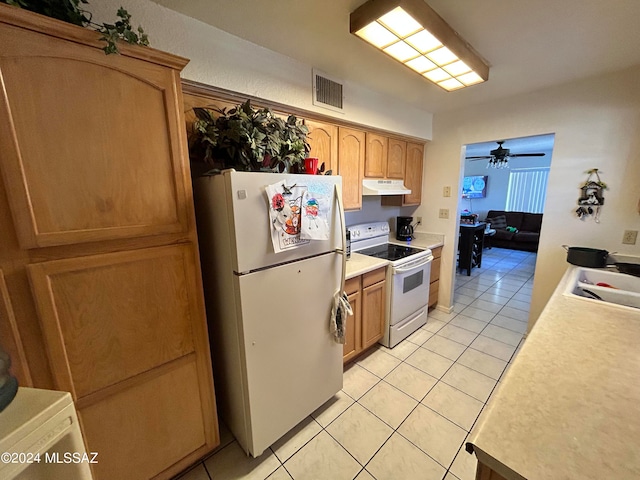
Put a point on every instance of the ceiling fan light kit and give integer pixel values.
(499, 157)
(415, 35)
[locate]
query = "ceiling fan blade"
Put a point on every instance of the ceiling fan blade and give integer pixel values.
(526, 155)
(478, 158)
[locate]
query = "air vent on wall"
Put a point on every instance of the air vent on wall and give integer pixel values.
(327, 92)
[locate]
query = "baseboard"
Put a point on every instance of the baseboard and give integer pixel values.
(444, 309)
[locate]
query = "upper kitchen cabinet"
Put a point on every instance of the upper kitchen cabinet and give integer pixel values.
(396, 158)
(413, 174)
(323, 139)
(351, 151)
(91, 144)
(412, 159)
(375, 161)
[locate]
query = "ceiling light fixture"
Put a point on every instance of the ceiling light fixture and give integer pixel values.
(414, 34)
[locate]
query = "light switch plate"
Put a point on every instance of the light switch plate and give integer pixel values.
(444, 213)
(446, 191)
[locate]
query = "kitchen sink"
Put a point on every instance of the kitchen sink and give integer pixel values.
(604, 285)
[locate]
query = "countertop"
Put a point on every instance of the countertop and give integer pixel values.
(569, 406)
(423, 240)
(359, 264)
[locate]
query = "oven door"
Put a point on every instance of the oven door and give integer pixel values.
(409, 288)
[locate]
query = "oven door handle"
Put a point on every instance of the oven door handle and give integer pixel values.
(421, 262)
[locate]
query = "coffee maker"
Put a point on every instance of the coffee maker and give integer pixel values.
(404, 229)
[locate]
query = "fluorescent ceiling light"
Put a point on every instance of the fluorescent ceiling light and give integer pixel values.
(414, 34)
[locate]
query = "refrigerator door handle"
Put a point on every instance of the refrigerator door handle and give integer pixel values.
(344, 240)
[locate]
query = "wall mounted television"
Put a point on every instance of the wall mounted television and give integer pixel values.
(474, 186)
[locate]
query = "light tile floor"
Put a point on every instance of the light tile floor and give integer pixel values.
(405, 413)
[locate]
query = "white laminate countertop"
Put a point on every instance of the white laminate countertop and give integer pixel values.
(569, 406)
(424, 240)
(359, 264)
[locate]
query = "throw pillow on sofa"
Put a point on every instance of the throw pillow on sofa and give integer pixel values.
(499, 221)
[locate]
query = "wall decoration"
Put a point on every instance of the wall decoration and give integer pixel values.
(591, 197)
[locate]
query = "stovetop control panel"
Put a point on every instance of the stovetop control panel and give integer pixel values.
(364, 231)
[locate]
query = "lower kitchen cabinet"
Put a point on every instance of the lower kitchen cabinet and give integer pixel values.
(434, 280)
(367, 296)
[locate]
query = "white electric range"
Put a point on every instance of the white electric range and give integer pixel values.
(409, 271)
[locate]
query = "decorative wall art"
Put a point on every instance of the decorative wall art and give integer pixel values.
(591, 197)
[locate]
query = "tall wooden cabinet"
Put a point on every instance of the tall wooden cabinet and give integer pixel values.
(99, 252)
(351, 151)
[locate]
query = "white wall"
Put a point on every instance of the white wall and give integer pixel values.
(596, 123)
(225, 61)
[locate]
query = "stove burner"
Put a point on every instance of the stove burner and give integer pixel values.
(390, 251)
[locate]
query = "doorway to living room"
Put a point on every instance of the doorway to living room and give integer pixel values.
(505, 181)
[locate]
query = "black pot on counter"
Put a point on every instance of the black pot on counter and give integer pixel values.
(586, 257)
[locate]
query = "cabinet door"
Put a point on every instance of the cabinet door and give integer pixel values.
(373, 313)
(323, 139)
(124, 334)
(351, 148)
(375, 163)
(396, 158)
(413, 173)
(353, 343)
(373, 306)
(92, 145)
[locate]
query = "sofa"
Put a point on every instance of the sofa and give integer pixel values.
(527, 229)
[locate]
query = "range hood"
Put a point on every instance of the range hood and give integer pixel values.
(374, 186)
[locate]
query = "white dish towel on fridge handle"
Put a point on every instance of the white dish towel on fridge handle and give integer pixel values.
(341, 306)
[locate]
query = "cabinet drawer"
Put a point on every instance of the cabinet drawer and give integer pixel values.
(352, 285)
(436, 252)
(373, 277)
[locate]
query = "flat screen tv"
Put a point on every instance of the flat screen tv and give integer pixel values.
(474, 186)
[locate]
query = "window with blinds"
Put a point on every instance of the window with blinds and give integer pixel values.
(527, 190)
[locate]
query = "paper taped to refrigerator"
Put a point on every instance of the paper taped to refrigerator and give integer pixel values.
(317, 202)
(285, 214)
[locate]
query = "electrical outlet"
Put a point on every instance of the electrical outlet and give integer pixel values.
(444, 213)
(418, 220)
(446, 191)
(629, 237)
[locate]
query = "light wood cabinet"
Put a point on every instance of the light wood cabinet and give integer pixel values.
(367, 296)
(353, 335)
(351, 151)
(323, 140)
(376, 151)
(99, 257)
(413, 174)
(434, 280)
(484, 472)
(411, 156)
(373, 306)
(396, 158)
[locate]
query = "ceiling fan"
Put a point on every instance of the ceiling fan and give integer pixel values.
(499, 157)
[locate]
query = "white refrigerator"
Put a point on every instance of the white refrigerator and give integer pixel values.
(275, 359)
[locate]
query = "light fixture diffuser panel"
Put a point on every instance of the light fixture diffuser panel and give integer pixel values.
(377, 35)
(400, 22)
(401, 51)
(423, 41)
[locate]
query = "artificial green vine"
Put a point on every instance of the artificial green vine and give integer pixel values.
(70, 11)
